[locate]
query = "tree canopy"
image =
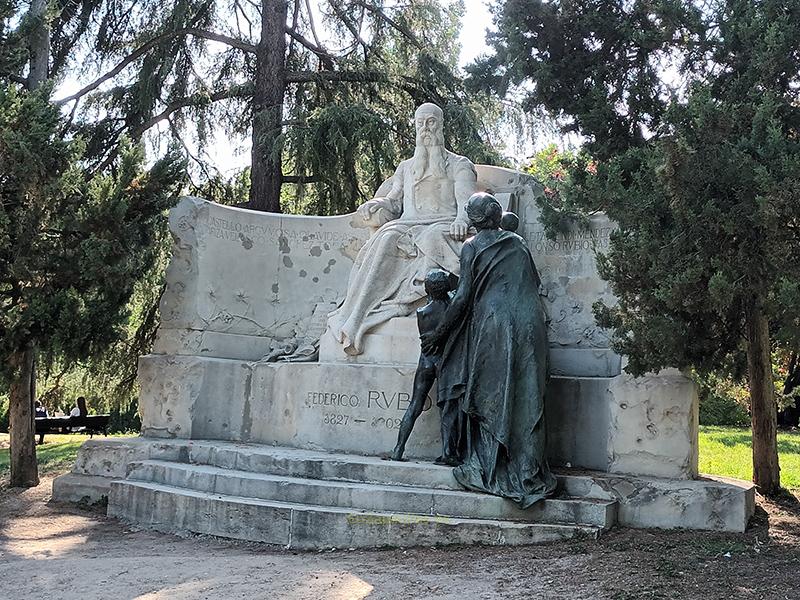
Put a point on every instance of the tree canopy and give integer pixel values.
(325, 90)
(692, 111)
(73, 240)
(71, 249)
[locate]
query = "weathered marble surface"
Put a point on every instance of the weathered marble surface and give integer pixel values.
(240, 281)
(640, 426)
(421, 222)
(348, 408)
(571, 285)
(395, 342)
(710, 503)
(644, 426)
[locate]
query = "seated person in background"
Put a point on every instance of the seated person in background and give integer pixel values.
(79, 410)
(39, 411)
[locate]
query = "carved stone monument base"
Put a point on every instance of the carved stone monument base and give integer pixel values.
(309, 499)
(638, 426)
(327, 406)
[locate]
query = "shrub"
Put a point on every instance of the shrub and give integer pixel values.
(718, 408)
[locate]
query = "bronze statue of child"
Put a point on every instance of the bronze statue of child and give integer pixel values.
(438, 284)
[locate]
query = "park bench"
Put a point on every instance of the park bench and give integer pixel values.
(90, 424)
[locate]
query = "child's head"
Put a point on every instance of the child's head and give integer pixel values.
(437, 283)
(509, 221)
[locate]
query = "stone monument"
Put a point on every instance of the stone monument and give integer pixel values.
(258, 425)
(421, 223)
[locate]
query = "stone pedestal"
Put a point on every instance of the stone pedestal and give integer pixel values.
(635, 425)
(275, 494)
(639, 426)
(395, 342)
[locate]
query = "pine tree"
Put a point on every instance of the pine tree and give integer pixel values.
(72, 244)
(692, 111)
(326, 118)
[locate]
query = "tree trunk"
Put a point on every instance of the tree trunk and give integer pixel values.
(763, 408)
(270, 86)
(24, 470)
(38, 44)
(22, 427)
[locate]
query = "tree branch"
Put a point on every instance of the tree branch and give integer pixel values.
(219, 37)
(311, 23)
(199, 99)
(238, 9)
(386, 18)
(149, 45)
(176, 133)
(344, 18)
(354, 76)
(324, 56)
(299, 179)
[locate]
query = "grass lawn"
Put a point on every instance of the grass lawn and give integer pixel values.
(727, 451)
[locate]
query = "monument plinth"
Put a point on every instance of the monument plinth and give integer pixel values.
(395, 342)
(253, 428)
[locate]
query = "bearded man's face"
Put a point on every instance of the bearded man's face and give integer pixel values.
(429, 129)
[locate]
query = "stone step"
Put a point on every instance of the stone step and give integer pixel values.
(294, 525)
(292, 462)
(370, 496)
(310, 464)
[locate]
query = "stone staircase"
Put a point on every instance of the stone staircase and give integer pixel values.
(306, 499)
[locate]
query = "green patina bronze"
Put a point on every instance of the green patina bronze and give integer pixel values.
(494, 362)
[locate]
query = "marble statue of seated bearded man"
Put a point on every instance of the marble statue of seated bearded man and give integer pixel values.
(422, 222)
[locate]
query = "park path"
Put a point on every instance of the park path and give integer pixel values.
(50, 550)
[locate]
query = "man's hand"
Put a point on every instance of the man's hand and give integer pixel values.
(366, 210)
(459, 229)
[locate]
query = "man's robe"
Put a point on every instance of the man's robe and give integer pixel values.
(388, 276)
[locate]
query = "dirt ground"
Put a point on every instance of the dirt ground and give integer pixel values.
(50, 550)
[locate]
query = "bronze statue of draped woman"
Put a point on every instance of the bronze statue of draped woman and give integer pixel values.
(493, 340)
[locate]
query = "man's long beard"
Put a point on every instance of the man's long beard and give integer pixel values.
(429, 160)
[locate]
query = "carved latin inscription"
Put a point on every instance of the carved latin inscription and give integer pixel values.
(572, 243)
(285, 238)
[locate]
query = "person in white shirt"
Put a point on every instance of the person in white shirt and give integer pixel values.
(79, 410)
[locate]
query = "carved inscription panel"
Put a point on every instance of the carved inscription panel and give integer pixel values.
(570, 281)
(351, 408)
(574, 242)
(373, 409)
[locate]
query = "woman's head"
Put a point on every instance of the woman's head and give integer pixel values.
(484, 211)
